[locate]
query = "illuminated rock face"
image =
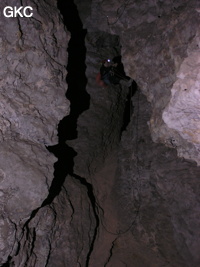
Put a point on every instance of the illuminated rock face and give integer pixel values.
(159, 40)
(129, 197)
(32, 102)
(146, 190)
(182, 114)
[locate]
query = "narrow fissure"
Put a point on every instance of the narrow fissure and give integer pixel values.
(67, 128)
(7, 264)
(76, 67)
(76, 93)
(93, 203)
(129, 109)
(111, 252)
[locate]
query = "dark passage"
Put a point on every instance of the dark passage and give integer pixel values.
(76, 93)
(128, 106)
(76, 78)
(80, 100)
(121, 75)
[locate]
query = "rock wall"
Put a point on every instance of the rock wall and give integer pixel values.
(99, 127)
(159, 41)
(146, 192)
(32, 102)
(118, 195)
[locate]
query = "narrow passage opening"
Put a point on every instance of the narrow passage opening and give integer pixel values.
(76, 93)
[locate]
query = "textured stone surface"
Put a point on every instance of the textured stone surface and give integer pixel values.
(147, 200)
(157, 37)
(164, 190)
(147, 197)
(60, 234)
(74, 226)
(182, 115)
(131, 198)
(32, 102)
(99, 127)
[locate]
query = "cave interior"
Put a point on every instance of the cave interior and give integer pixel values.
(124, 186)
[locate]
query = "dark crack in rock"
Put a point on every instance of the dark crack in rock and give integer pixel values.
(125, 188)
(160, 48)
(32, 102)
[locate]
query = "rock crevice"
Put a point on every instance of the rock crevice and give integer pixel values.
(125, 188)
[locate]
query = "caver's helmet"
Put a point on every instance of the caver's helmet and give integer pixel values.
(106, 60)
